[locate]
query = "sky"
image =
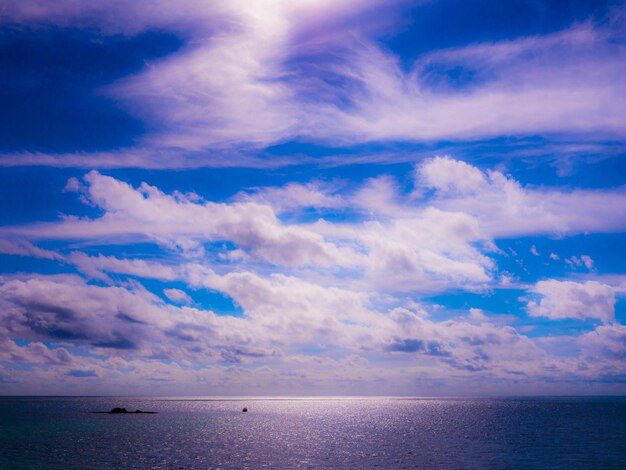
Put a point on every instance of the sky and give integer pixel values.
(313, 197)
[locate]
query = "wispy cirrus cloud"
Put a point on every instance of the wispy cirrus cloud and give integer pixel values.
(252, 76)
(359, 92)
(25, 248)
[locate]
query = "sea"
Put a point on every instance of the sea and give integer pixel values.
(284, 433)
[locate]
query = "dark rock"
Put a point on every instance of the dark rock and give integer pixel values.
(118, 411)
(245, 410)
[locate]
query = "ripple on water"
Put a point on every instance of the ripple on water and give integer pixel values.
(313, 433)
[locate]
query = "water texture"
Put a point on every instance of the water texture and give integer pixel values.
(564, 433)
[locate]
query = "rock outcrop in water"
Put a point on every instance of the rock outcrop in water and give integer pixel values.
(121, 411)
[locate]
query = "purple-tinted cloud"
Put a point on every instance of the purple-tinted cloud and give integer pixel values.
(250, 77)
(567, 299)
(365, 277)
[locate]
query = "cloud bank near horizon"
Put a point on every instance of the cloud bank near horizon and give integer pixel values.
(333, 297)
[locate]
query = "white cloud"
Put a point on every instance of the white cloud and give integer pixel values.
(450, 177)
(296, 196)
(518, 78)
(117, 321)
(96, 266)
(587, 261)
(282, 315)
(504, 208)
(414, 249)
(25, 248)
(177, 296)
(434, 248)
(568, 299)
(477, 315)
(250, 75)
(576, 262)
(606, 342)
(415, 241)
(179, 221)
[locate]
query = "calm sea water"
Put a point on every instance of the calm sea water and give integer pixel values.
(567, 433)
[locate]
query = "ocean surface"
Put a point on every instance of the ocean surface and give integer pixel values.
(355, 433)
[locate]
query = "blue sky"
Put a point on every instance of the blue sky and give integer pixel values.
(313, 197)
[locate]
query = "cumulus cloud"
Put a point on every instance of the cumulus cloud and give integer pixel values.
(568, 299)
(396, 242)
(477, 315)
(282, 315)
(181, 222)
(116, 321)
(36, 353)
(606, 342)
(137, 331)
(437, 235)
(419, 249)
(46, 309)
(448, 176)
(504, 208)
